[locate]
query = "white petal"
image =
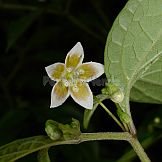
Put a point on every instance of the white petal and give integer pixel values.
(74, 57)
(90, 71)
(82, 95)
(55, 71)
(59, 94)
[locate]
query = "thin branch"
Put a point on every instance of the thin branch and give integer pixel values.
(110, 114)
(47, 143)
(139, 150)
(130, 155)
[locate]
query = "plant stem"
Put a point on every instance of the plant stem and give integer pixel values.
(43, 142)
(130, 125)
(110, 113)
(43, 155)
(105, 136)
(130, 155)
(118, 136)
(139, 150)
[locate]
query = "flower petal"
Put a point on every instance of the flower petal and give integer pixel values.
(90, 71)
(59, 94)
(55, 71)
(74, 57)
(81, 93)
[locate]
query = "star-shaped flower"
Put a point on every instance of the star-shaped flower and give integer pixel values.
(72, 77)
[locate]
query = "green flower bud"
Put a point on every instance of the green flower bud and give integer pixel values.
(52, 130)
(114, 92)
(124, 117)
(117, 97)
(105, 91)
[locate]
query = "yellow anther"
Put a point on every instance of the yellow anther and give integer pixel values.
(75, 88)
(69, 69)
(66, 83)
(81, 71)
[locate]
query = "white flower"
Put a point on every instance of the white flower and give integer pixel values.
(72, 77)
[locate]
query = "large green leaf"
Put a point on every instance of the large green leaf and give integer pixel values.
(133, 51)
(148, 89)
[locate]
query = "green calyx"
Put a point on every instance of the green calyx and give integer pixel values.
(58, 131)
(52, 129)
(124, 117)
(115, 93)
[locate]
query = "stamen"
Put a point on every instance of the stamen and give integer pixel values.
(75, 88)
(66, 83)
(81, 71)
(69, 69)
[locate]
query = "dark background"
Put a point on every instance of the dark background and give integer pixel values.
(35, 34)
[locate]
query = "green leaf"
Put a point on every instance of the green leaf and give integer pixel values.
(89, 113)
(148, 88)
(43, 155)
(23, 147)
(134, 49)
(17, 28)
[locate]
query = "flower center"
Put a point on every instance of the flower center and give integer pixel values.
(71, 78)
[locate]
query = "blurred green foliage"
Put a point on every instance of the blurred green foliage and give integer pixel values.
(34, 34)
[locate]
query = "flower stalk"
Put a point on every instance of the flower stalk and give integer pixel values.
(110, 113)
